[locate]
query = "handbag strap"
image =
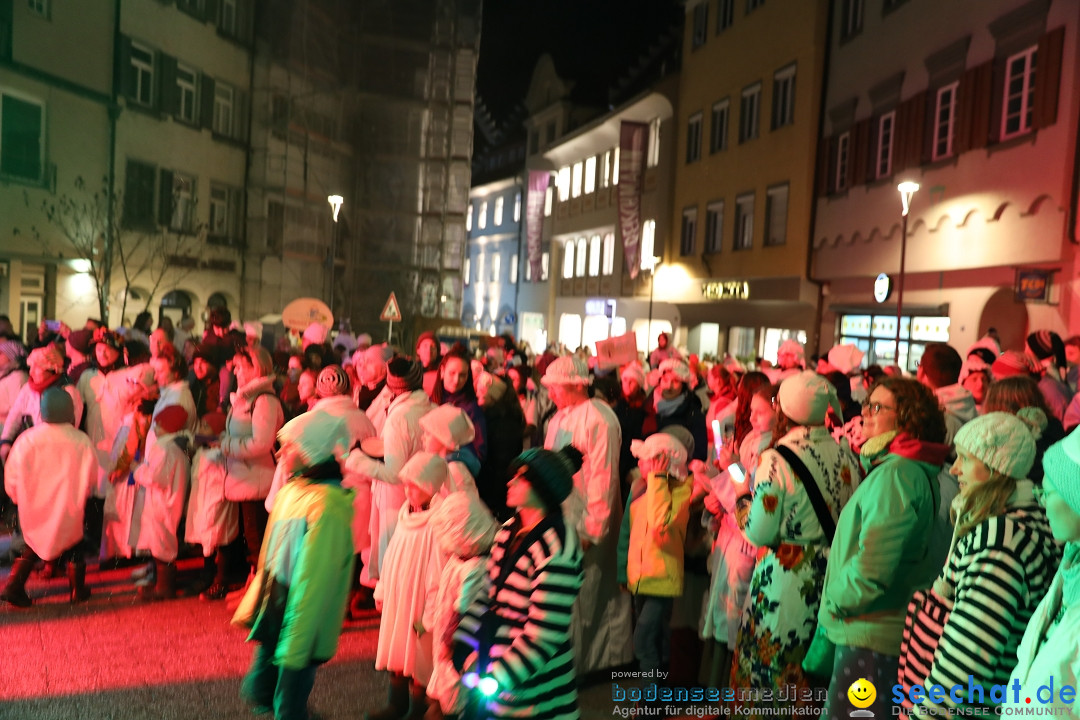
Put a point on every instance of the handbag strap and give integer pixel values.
(812, 491)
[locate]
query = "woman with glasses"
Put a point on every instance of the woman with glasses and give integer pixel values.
(965, 629)
(1050, 650)
(879, 555)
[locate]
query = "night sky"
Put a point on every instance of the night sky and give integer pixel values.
(591, 41)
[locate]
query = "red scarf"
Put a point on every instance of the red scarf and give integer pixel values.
(42, 387)
(919, 450)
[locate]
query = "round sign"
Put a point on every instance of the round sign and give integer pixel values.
(300, 313)
(882, 288)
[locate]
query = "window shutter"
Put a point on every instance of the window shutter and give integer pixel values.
(1047, 78)
(165, 198)
(859, 154)
(166, 84)
(824, 160)
(240, 115)
(210, 11)
(973, 108)
(872, 144)
(910, 123)
(124, 76)
(206, 101)
(997, 97)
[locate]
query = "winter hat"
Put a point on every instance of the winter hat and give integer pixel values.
(332, 381)
(568, 370)
(253, 328)
(215, 421)
(57, 407)
(428, 335)
(48, 358)
(403, 375)
(141, 381)
(14, 350)
(683, 435)
(845, 358)
(1002, 441)
(110, 338)
(449, 425)
(658, 443)
(551, 474)
(363, 341)
(171, 418)
(482, 384)
(1012, 363)
(425, 470)
(81, 340)
(315, 334)
(1045, 344)
(634, 372)
(793, 347)
(676, 367)
(463, 525)
(1061, 463)
(806, 397)
(316, 437)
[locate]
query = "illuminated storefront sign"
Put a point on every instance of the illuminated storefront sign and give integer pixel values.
(733, 290)
(882, 287)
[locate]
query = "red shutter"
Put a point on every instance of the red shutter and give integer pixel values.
(997, 98)
(872, 145)
(1047, 78)
(910, 122)
(973, 108)
(858, 155)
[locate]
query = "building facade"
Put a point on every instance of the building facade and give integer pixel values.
(736, 270)
(980, 108)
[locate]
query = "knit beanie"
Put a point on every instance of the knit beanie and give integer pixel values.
(634, 372)
(1002, 441)
(1012, 363)
(14, 350)
(551, 474)
(845, 358)
(463, 525)
(315, 437)
(47, 357)
(403, 375)
(425, 470)
(81, 340)
(683, 435)
(1061, 464)
(1045, 344)
(795, 348)
(428, 335)
(253, 328)
(449, 425)
(315, 334)
(679, 368)
(171, 419)
(57, 407)
(806, 397)
(332, 381)
(658, 443)
(567, 370)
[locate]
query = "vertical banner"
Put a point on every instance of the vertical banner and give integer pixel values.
(534, 221)
(633, 137)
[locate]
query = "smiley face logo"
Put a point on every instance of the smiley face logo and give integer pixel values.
(862, 693)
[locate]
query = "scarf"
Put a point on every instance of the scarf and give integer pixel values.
(668, 407)
(42, 387)
(894, 442)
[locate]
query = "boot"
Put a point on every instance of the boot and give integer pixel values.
(397, 702)
(15, 590)
(76, 572)
(418, 702)
(165, 584)
(219, 588)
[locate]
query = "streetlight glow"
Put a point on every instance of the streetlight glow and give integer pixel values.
(907, 189)
(336, 201)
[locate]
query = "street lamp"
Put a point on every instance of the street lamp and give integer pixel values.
(656, 260)
(336, 201)
(907, 190)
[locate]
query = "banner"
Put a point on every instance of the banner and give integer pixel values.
(534, 221)
(616, 351)
(633, 137)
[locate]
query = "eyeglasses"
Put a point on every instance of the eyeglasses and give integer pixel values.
(876, 408)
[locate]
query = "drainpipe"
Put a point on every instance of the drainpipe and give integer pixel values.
(110, 174)
(247, 160)
(814, 339)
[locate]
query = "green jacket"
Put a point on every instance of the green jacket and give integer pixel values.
(296, 601)
(879, 555)
(652, 537)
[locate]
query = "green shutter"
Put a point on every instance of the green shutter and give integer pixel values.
(166, 86)
(124, 76)
(241, 101)
(165, 198)
(206, 101)
(20, 141)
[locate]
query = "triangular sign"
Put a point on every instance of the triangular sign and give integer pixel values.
(391, 312)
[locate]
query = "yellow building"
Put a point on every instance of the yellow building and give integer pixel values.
(748, 116)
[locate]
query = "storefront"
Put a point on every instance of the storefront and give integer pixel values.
(875, 335)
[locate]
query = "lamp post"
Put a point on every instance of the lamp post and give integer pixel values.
(907, 190)
(336, 201)
(656, 260)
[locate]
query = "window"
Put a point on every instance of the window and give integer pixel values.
(575, 181)
(139, 194)
(581, 256)
(186, 79)
(549, 196)
(545, 261)
(562, 181)
(648, 244)
(221, 216)
(852, 19)
(783, 101)
(886, 126)
(590, 175)
(776, 204)
(496, 267)
(654, 144)
(22, 143)
(568, 260)
(714, 226)
(481, 216)
(468, 218)
(615, 167)
(514, 269)
(605, 169)
(718, 137)
(688, 237)
(223, 109)
(609, 254)
(1019, 94)
(944, 120)
(228, 17)
(517, 207)
(701, 24)
(744, 222)
(183, 203)
(141, 80)
(748, 113)
(40, 7)
(725, 14)
(693, 139)
(752, 5)
(466, 271)
(594, 256)
(479, 268)
(498, 212)
(842, 146)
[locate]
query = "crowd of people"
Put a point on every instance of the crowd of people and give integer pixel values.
(521, 523)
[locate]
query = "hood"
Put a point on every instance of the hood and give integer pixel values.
(256, 387)
(958, 401)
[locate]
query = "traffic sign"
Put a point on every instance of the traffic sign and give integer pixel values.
(391, 312)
